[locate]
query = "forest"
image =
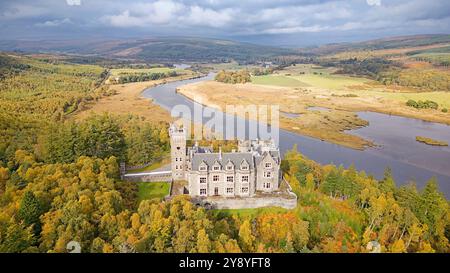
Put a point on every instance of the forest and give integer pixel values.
(233, 77)
(44, 206)
(146, 77)
(390, 72)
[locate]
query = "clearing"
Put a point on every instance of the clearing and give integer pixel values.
(152, 190)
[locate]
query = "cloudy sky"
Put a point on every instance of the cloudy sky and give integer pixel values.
(276, 22)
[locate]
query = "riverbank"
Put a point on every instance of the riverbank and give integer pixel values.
(127, 99)
(331, 126)
(328, 126)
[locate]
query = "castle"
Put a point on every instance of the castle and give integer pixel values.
(254, 168)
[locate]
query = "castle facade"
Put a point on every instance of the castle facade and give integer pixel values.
(254, 168)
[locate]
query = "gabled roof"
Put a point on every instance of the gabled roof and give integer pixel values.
(211, 158)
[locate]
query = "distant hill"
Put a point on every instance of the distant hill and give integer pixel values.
(384, 43)
(154, 49)
(176, 49)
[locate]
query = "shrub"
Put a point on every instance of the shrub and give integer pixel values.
(428, 104)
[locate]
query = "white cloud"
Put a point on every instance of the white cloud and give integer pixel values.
(55, 23)
(373, 2)
(208, 17)
(73, 2)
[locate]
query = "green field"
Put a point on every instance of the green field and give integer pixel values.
(329, 81)
(152, 190)
(309, 76)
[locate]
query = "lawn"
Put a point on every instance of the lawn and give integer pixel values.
(151, 190)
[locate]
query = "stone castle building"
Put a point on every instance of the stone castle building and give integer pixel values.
(254, 168)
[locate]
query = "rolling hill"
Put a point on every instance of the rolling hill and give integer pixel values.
(154, 49)
(384, 43)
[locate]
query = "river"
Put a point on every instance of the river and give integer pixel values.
(395, 136)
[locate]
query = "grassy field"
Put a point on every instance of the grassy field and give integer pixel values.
(278, 80)
(306, 75)
(128, 100)
(152, 190)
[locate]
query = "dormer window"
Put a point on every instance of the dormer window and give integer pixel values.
(203, 167)
(244, 165)
(216, 166)
(229, 166)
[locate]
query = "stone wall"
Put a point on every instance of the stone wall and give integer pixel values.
(149, 177)
(248, 202)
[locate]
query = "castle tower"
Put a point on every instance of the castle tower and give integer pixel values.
(178, 151)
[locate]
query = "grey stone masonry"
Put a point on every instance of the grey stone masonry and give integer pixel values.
(253, 169)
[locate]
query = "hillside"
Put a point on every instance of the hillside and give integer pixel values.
(154, 49)
(379, 44)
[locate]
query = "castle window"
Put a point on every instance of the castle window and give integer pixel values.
(244, 167)
(229, 190)
(176, 167)
(267, 174)
(178, 148)
(202, 168)
(244, 178)
(215, 178)
(229, 167)
(203, 192)
(176, 159)
(202, 180)
(230, 179)
(216, 168)
(268, 165)
(266, 185)
(244, 190)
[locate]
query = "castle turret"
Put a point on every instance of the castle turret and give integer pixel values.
(178, 151)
